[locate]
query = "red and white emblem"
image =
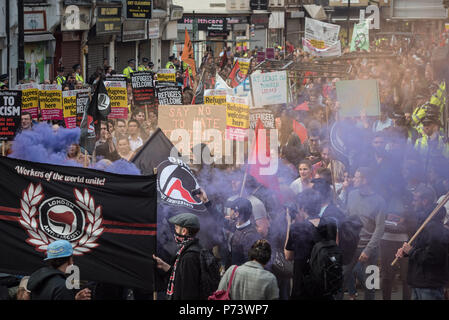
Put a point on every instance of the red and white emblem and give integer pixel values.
(58, 218)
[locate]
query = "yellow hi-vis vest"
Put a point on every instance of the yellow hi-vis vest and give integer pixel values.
(127, 72)
(60, 79)
(422, 145)
(79, 77)
(142, 68)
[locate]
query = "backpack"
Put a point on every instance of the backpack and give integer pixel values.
(210, 272)
(349, 231)
(325, 277)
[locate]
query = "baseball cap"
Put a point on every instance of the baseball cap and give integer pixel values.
(59, 249)
(186, 220)
(241, 205)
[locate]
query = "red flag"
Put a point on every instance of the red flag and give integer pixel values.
(236, 75)
(300, 130)
(269, 181)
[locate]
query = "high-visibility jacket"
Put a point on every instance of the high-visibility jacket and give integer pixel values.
(436, 148)
(185, 67)
(127, 72)
(169, 64)
(79, 77)
(142, 68)
(60, 79)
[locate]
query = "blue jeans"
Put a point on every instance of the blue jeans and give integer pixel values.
(428, 293)
(356, 269)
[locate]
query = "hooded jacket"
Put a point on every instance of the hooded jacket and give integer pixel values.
(49, 284)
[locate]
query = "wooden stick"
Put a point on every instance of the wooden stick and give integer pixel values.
(434, 212)
(244, 181)
(3, 148)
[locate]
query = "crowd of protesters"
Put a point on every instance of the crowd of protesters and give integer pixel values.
(367, 202)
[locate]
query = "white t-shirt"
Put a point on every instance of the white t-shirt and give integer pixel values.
(135, 144)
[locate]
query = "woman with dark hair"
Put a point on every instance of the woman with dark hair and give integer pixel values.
(251, 281)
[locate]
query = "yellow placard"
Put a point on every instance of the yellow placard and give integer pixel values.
(215, 100)
(69, 106)
(50, 99)
(166, 77)
(319, 44)
(237, 115)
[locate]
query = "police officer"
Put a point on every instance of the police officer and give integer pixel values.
(130, 68)
(60, 79)
(4, 81)
(144, 66)
(170, 64)
(77, 69)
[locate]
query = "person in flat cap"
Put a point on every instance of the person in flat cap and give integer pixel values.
(130, 68)
(49, 282)
(185, 271)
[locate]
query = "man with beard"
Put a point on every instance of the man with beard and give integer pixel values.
(428, 270)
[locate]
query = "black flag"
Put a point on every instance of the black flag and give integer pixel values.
(99, 108)
(109, 219)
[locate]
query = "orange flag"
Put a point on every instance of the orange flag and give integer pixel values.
(187, 53)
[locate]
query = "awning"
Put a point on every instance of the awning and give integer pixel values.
(315, 12)
(38, 37)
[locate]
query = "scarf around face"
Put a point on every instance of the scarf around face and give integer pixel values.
(182, 242)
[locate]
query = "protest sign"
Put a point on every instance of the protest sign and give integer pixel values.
(50, 99)
(142, 88)
(357, 96)
(237, 117)
(10, 113)
(215, 96)
(360, 36)
(244, 64)
(30, 98)
(269, 88)
(269, 53)
(169, 95)
(321, 38)
(82, 102)
(118, 94)
(265, 115)
(199, 116)
(166, 75)
(260, 56)
(69, 108)
(101, 214)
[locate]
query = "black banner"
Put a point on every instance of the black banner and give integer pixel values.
(138, 9)
(169, 95)
(109, 20)
(143, 89)
(10, 113)
(109, 219)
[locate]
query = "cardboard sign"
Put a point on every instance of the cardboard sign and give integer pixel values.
(215, 96)
(357, 96)
(269, 88)
(199, 116)
(169, 95)
(142, 88)
(50, 100)
(69, 108)
(265, 115)
(118, 94)
(10, 113)
(82, 102)
(237, 118)
(30, 98)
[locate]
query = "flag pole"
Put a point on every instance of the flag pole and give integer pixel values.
(3, 148)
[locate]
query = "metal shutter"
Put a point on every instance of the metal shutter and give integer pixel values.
(70, 53)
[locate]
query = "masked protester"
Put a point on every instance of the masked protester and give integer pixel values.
(49, 282)
(185, 271)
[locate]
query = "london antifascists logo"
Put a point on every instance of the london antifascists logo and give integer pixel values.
(57, 218)
(175, 184)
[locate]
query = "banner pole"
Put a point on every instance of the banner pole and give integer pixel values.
(3, 148)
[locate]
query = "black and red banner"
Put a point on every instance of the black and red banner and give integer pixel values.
(10, 113)
(110, 220)
(142, 88)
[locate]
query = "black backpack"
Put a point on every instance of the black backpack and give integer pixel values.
(325, 276)
(349, 231)
(210, 272)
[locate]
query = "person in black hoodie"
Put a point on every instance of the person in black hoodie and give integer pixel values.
(428, 270)
(49, 282)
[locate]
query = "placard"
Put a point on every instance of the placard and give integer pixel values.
(357, 96)
(82, 102)
(169, 95)
(50, 100)
(118, 94)
(265, 115)
(166, 75)
(30, 98)
(142, 88)
(269, 88)
(10, 113)
(215, 96)
(321, 38)
(69, 108)
(237, 118)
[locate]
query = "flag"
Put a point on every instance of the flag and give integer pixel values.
(109, 219)
(187, 53)
(198, 98)
(220, 83)
(300, 130)
(360, 36)
(98, 109)
(269, 181)
(223, 60)
(302, 107)
(236, 75)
